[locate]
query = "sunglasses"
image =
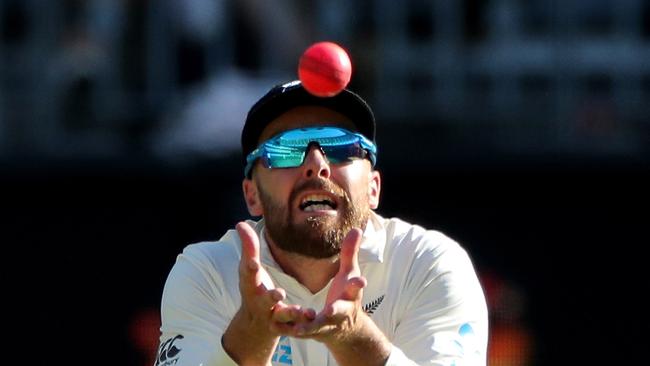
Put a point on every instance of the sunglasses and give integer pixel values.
(289, 148)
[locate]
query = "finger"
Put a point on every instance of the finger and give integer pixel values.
(353, 289)
(326, 321)
(310, 314)
(337, 311)
(264, 301)
(287, 318)
(286, 314)
(272, 298)
(293, 314)
(350, 251)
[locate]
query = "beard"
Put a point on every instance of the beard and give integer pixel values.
(317, 236)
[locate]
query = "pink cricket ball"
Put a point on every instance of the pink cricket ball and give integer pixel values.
(325, 69)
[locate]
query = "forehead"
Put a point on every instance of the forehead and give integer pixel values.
(305, 116)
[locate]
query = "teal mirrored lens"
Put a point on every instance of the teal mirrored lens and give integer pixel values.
(283, 157)
(343, 153)
(287, 150)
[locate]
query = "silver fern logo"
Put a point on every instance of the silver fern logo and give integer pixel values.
(370, 307)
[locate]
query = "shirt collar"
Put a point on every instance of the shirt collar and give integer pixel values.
(373, 241)
(265, 252)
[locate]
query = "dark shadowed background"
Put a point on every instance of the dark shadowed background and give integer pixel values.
(520, 129)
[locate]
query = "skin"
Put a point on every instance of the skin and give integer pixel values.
(342, 325)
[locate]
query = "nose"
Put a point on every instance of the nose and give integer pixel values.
(315, 163)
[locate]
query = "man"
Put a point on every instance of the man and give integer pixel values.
(321, 279)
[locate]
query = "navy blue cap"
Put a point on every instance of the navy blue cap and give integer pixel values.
(284, 97)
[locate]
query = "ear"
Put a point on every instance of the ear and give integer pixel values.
(374, 188)
(251, 196)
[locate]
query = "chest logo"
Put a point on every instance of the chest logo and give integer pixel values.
(282, 354)
(370, 307)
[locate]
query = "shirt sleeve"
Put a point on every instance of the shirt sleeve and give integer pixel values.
(445, 321)
(195, 313)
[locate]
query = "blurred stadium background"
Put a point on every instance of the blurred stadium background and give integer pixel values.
(519, 128)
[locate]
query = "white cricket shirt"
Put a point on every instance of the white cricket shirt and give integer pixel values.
(422, 292)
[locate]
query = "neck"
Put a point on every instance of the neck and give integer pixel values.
(312, 273)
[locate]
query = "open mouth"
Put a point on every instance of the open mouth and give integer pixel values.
(317, 202)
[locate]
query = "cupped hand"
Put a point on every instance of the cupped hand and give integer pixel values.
(260, 298)
(343, 304)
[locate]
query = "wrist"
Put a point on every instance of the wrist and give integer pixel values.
(260, 342)
(363, 336)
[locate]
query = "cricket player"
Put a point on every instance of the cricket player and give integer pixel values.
(319, 278)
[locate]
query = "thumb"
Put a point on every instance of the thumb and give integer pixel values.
(349, 256)
(250, 242)
(250, 265)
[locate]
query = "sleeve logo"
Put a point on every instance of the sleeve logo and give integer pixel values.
(168, 352)
(468, 347)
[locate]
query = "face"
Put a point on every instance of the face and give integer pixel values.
(309, 209)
